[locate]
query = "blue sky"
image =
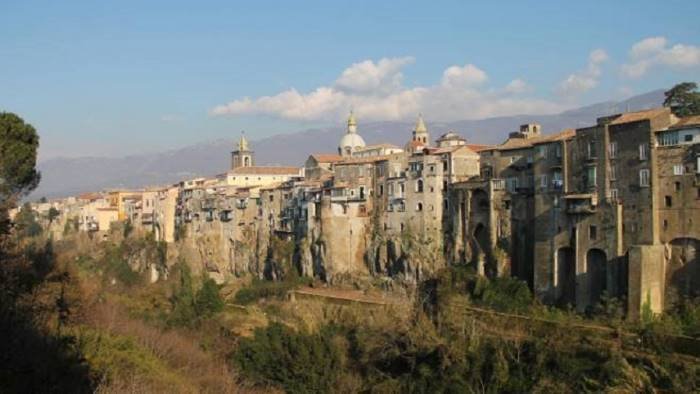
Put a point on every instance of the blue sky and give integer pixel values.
(113, 78)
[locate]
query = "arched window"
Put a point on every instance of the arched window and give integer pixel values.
(246, 161)
(419, 206)
(419, 186)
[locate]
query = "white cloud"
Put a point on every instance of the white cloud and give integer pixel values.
(654, 52)
(517, 86)
(467, 76)
(376, 92)
(584, 80)
(368, 77)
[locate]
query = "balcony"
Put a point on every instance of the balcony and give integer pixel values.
(498, 184)
(581, 204)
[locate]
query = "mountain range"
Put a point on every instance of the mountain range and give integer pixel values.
(70, 176)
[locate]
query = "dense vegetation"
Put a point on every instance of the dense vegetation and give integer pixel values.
(457, 353)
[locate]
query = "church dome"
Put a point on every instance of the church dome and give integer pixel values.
(350, 143)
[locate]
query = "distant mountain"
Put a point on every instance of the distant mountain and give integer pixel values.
(70, 176)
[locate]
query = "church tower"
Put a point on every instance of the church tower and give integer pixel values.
(243, 156)
(420, 133)
(351, 141)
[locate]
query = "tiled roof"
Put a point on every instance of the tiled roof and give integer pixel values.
(687, 122)
(521, 143)
(377, 146)
(89, 196)
(630, 117)
(362, 160)
(265, 170)
(326, 157)
(478, 147)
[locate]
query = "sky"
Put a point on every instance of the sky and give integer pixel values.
(113, 78)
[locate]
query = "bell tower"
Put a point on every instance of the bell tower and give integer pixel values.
(243, 156)
(420, 133)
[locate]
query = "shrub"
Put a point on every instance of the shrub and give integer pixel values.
(189, 308)
(260, 289)
(299, 362)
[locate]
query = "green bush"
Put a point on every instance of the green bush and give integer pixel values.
(263, 289)
(189, 308)
(299, 362)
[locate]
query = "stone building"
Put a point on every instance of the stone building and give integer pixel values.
(601, 210)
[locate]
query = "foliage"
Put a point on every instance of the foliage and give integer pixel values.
(128, 228)
(420, 359)
(53, 214)
(115, 357)
(300, 362)
(505, 294)
(263, 289)
(18, 149)
(683, 99)
(189, 308)
(26, 223)
(208, 300)
(116, 264)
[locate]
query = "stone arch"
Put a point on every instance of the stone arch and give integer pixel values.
(565, 276)
(596, 270)
(683, 270)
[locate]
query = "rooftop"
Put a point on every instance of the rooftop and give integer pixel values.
(265, 170)
(689, 121)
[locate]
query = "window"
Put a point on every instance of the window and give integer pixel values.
(678, 169)
(432, 169)
(543, 181)
(644, 178)
(591, 177)
(678, 186)
(591, 150)
(613, 173)
(688, 138)
(668, 138)
(557, 151)
(432, 189)
(419, 206)
(592, 232)
(381, 190)
(272, 198)
(419, 186)
(555, 202)
(444, 185)
(643, 151)
(613, 194)
(444, 166)
(512, 159)
(512, 184)
(613, 149)
(402, 190)
(668, 201)
(665, 224)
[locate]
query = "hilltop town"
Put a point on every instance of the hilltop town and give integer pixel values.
(606, 210)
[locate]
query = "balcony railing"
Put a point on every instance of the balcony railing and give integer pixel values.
(498, 184)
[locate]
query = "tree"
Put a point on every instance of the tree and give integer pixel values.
(683, 99)
(26, 223)
(18, 175)
(53, 214)
(208, 301)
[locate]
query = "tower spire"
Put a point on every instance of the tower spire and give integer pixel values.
(352, 122)
(243, 143)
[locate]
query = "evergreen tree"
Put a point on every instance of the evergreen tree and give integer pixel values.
(208, 300)
(683, 99)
